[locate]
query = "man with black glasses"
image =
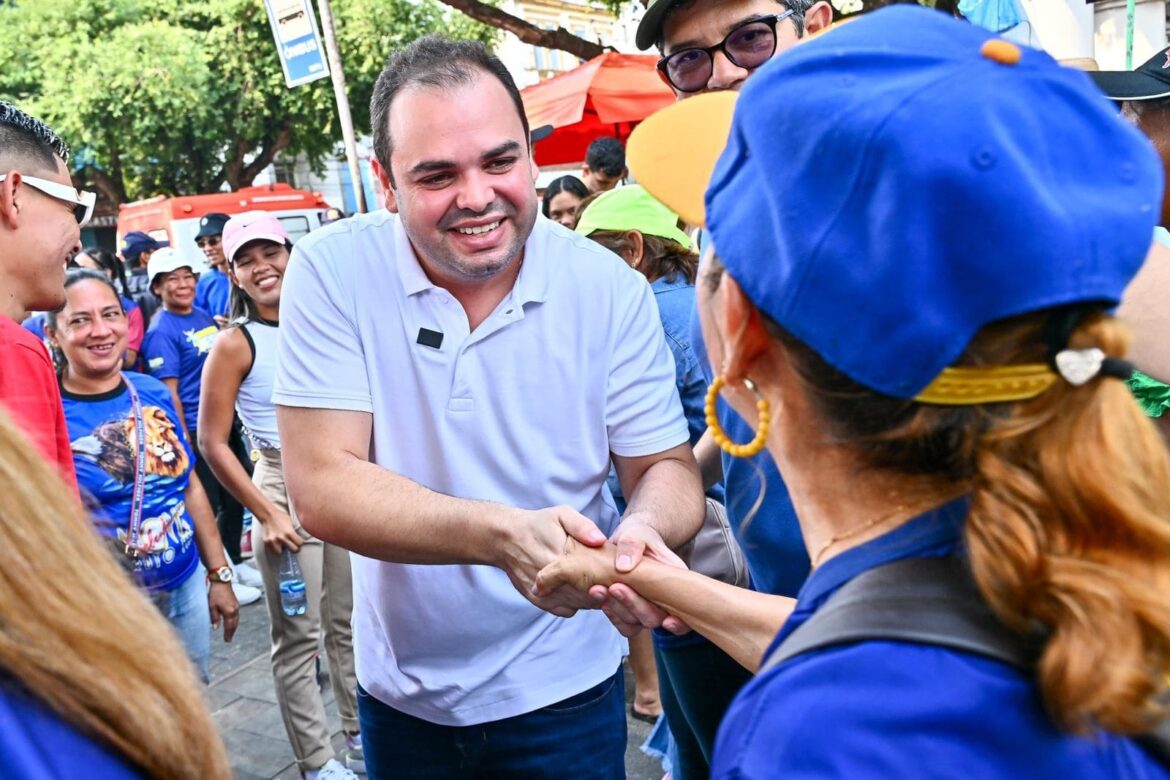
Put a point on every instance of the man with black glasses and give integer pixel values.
(41, 215)
(713, 45)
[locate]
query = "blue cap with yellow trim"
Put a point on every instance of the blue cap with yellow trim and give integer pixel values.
(891, 187)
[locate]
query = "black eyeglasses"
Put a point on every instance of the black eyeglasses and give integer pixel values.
(207, 241)
(748, 46)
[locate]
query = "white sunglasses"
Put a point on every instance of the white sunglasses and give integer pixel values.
(82, 201)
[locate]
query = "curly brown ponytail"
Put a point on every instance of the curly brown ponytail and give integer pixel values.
(1069, 526)
(1069, 530)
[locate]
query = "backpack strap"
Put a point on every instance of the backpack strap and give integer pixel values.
(928, 601)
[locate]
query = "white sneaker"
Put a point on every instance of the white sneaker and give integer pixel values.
(245, 594)
(248, 574)
(355, 758)
(333, 770)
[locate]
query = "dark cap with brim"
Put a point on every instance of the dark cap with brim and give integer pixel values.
(650, 28)
(1148, 82)
(136, 242)
(212, 225)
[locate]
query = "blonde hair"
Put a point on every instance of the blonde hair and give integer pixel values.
(79, 636)
(1069, 524)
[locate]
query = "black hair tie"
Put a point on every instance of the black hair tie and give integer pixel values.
(1116, 367)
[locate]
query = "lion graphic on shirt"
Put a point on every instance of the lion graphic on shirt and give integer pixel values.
(165, 454)
(112, 446)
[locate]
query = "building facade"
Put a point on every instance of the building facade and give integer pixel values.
(529, 64)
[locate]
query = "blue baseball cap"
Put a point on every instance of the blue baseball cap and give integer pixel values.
(135, 243)
(889, 188)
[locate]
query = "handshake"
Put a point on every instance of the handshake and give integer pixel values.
(561, 561)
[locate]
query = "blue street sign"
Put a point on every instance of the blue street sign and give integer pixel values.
(298, 41)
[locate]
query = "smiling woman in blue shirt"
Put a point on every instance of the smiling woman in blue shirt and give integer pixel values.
(940, 380)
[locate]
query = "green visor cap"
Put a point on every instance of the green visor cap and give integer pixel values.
(632, 208)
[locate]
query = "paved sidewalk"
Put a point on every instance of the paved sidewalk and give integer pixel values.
(243, 704)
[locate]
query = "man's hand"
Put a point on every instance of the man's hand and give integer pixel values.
(629, 612)
(537, 538)
(635, 538)
(279, 533)
(221, 601)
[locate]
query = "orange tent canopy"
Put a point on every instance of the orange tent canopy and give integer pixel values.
(609, 95)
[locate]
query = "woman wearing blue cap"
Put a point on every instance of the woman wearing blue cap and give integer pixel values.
(918, 236)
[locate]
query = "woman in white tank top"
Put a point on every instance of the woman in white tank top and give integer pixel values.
(237, 378)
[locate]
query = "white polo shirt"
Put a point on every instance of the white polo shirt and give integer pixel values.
(523, 411)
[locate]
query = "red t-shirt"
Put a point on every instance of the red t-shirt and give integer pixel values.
(28, 392)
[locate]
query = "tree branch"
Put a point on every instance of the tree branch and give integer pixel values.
(234, 165)
(527, 32)
(265, 156)
(109, 180)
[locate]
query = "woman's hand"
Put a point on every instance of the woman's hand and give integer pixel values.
(279, 533)
(221, 601)
(580, 568)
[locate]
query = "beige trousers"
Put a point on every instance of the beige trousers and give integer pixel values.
(295, 639)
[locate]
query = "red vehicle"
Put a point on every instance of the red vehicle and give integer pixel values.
(177, 219)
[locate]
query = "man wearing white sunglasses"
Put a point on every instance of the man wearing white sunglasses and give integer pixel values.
(40, 229)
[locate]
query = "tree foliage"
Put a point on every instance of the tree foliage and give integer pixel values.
(176, 96)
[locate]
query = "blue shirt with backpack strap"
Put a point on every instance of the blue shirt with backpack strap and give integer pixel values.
(885, 709)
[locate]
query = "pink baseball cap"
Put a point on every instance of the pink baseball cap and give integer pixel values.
(251, 226)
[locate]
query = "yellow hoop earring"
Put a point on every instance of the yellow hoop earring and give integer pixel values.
(763, 419)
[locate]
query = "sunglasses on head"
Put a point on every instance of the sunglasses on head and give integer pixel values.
(82, 201)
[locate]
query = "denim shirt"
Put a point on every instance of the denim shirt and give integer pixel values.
(676, 302)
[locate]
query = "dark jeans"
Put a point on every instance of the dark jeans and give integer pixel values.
(229, 513)
(583, 736)
(696, 684)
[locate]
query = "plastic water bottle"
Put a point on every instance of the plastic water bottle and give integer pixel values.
(292, 585)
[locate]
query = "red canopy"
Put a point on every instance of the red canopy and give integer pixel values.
(609, 95)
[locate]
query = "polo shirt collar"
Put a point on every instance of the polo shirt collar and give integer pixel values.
(531, 283)
(533, 280)
(414, 278)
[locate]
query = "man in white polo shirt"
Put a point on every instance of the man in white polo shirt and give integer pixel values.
(455, 375)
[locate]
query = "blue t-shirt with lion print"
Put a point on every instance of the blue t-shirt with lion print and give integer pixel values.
(104, 442)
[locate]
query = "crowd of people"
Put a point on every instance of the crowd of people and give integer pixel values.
(829, 423)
